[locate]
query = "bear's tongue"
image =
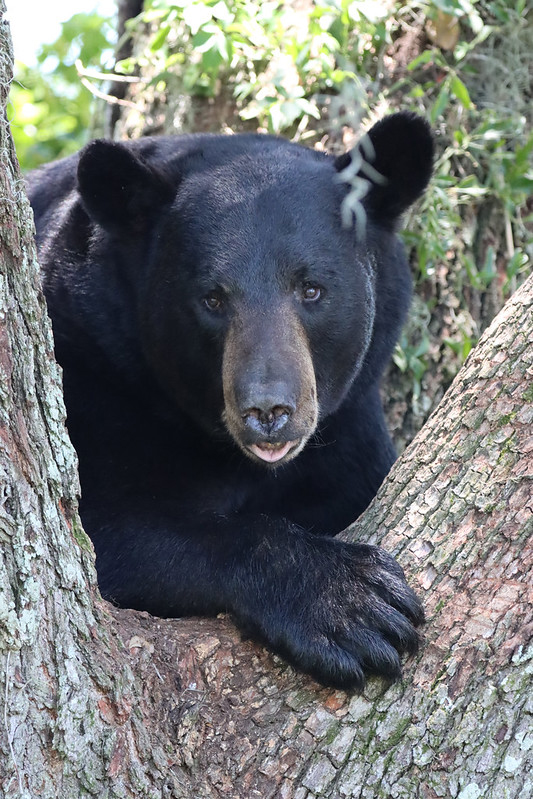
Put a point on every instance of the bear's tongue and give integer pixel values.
(271, 452)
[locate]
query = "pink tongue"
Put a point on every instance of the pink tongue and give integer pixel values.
(271, 455)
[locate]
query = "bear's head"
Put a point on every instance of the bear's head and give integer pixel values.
(256, 306)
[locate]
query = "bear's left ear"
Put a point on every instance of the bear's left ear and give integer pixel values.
(120, 191)
(400, 150)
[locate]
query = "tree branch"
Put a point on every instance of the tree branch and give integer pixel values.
(457, 509)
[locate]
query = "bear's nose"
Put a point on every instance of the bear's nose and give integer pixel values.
(267, 421)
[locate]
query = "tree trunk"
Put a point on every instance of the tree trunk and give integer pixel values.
(111, 704)
(126, 10)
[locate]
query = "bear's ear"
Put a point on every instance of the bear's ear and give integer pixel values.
(119, 191)
(397, 158)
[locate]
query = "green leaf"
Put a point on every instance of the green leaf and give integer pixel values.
(460, 91)
(203, 41)
(159, 40)
(426, 57)
(126, 66)
(522, 154)
(211, 61)
(517, 262)
(440, 104)
(422, 348)
(522, 183)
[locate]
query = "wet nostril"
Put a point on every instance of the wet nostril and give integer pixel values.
(267, 421)
(253, 415)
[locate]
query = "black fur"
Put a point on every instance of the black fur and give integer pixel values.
(206, 300)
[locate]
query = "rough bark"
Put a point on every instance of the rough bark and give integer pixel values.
(53, 667)
(99, 702)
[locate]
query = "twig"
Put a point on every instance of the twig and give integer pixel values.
(107, 97)
(113, 76)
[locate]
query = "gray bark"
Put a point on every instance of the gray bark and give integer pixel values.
(47, 578)
(99, 702)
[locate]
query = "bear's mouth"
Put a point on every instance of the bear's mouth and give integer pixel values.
(272, 453)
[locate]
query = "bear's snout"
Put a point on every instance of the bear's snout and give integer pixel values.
(270, 406)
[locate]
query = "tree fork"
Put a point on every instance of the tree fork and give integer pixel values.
(111, 703)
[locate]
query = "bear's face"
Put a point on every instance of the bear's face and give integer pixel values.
(257, 305)
(274, 299)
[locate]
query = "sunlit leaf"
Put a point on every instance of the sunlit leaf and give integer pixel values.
(460, 91)
(196, 15)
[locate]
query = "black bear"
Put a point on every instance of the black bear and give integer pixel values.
(222, 336)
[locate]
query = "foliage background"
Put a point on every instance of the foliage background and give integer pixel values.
(316, 72)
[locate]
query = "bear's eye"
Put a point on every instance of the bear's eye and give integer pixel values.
(213, 301)
(311, 293)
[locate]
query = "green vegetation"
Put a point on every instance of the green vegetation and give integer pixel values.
(52, 112)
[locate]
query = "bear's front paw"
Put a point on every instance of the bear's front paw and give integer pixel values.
(336, 611)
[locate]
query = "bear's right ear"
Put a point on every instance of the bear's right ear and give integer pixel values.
(118, 190)
(397, 161)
